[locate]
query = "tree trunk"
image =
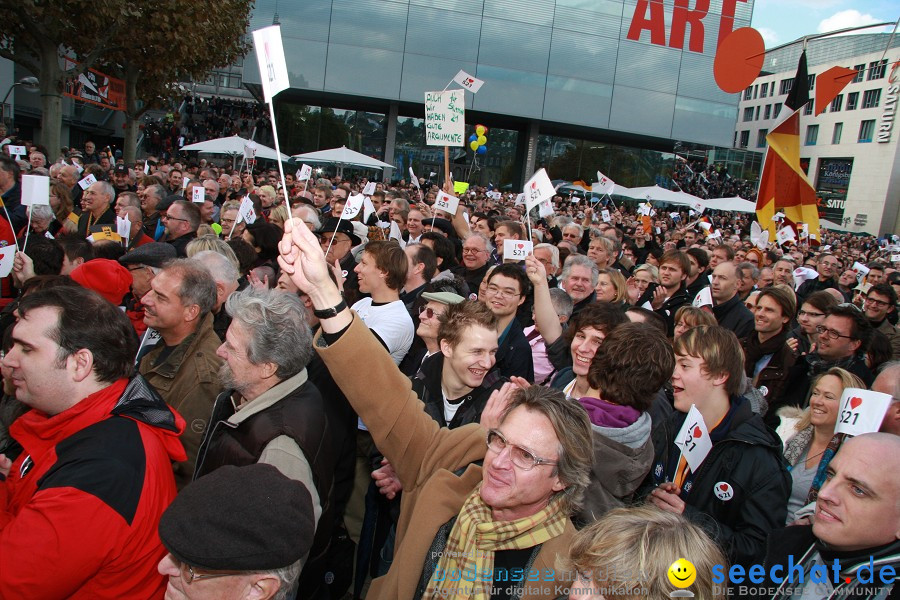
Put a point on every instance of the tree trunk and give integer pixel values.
(52, 80)
(132, 115)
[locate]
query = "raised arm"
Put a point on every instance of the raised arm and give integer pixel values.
(544, 314)
(381, 395)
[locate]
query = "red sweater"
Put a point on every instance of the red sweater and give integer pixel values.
(80, 508)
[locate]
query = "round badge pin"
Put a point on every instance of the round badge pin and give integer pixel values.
(724, 491)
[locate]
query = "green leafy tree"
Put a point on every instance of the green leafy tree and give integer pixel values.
(177, 41)
(37, 34)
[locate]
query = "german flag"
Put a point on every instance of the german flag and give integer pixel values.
(783, 185)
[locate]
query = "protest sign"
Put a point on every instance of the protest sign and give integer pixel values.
(604, 184)
(304, 173)
(516, 249)
(467, 81)
(861, 411)
(369, 189)
(353, 206)
(445, 118)
(87, 182)
(198, 195)
(446, 202)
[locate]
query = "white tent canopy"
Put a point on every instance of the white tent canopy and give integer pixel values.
(735, 204)
(342, 157)
(658, 194)
(234, 146)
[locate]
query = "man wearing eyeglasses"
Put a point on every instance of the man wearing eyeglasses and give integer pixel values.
(507, 289)
(828, 266)
(96, 207)
(476, 255)
(182, 219)
(880, 302)
(535, 462)
(843, 336)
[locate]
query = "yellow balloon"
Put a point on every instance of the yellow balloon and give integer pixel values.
(482, 140)
(473, 145)
(480, 130)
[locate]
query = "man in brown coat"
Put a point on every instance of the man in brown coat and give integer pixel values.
(183, 367)
(535, 469)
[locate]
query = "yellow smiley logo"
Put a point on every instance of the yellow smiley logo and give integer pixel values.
(682, 573)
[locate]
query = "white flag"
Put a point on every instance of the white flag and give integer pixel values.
(467, 81)
(785, 234)
(87, 182)
(123, 227)
(703, 298)
(446, 202)
(698, 207)
(272, 66)
(246, 212)
(353, 206)
(396, 234)
(35, 189)
(146, 167)
(17, 150)
(516, 249)
(304, 173)
(250, 150)
(693, 439)
(604, 214)
(368, 209)
(7, 258)
(545, 209)
(604, 184)
(413, 179)
(369, 189)
(538, 189)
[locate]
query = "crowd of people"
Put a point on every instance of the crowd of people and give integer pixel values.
(219, 386)
(710, 180)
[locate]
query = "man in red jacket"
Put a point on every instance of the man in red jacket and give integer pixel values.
(80, 506)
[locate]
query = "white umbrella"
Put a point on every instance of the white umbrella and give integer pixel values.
(342, 157)
(234, 146)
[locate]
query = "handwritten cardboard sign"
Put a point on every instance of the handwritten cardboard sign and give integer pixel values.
(445, 118)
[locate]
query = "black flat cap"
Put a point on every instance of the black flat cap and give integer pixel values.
(346, 227)
(442, 224)
(154, 254)
(249, 518)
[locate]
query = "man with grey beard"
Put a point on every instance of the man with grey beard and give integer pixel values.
(270, 412)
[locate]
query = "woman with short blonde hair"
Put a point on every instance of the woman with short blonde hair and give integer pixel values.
(627, 553)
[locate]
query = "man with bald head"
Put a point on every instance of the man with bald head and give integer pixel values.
(856, 523)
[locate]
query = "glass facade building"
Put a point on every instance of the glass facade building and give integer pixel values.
(556, 72)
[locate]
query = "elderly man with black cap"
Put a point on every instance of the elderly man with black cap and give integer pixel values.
(144, 262)
(337, 237)
(237, 533)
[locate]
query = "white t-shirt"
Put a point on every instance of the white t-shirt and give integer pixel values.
(392, 324)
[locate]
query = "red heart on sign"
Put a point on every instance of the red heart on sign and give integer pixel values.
(520, 246)
(855, 401)
(534, 185)
(723, 487)
(697, 432)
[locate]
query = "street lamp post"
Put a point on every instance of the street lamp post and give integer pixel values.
(29, 83)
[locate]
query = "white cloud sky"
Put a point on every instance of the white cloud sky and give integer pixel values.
(848, 18)
(768, 35)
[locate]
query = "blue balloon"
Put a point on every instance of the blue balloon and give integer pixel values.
(481, 150)
(473, 138)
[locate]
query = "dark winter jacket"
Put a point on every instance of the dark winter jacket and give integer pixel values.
(734, 316)
(427, 386)
(740, 492)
